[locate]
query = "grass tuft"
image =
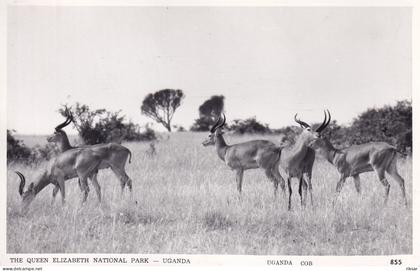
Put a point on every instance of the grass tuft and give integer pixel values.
(214, 220)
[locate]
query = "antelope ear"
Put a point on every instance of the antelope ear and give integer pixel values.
(31, 187)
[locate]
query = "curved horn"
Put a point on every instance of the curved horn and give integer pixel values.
(327, 119)
(224, 120)
(321, 127)
(216, 125)
(22, 182)
(66, 122)
(302, 123)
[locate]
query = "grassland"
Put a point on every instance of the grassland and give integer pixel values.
(185, 201)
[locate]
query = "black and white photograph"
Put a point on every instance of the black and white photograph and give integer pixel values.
(214, 130)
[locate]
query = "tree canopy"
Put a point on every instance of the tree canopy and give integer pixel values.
(161, 105)
(209, 111)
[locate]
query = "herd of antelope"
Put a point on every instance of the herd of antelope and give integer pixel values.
(295, 159)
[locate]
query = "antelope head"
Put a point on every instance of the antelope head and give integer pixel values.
(216, 130)
(28, 195)
(59, 135)
(323, 146)
(309, 136)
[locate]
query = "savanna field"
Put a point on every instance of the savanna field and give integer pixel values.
(185, 201)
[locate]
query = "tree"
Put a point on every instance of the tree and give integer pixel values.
(212, 107)
(209, 111)
(161, 105)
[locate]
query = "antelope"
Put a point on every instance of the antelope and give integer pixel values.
(380, 157)
(247, 155)
(115, 158)
(297, 159)
(77, 162)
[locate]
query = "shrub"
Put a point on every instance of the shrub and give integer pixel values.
(179, 128)
(101, 126)
(16, 150)
(203, 124)
(42, 153)
(392, 124)
(249, 126)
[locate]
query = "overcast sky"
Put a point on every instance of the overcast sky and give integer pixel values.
(267, 62)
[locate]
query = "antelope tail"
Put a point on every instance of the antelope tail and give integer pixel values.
(392, 159)
(279, 150)
(129, 158)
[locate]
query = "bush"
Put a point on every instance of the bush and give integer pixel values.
(16, 150)
(203, 124)
(42, 153)
(392, 124)
(101, 126)
(249, 126)
(180, 128)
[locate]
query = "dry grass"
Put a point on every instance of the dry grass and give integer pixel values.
(185, 201)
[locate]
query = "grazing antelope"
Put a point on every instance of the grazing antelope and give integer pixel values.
(297, 159)
(247, 155)
(115, 158)
(77, 162)
(350, 162)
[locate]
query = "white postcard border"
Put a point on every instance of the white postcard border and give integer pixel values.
(224, 260)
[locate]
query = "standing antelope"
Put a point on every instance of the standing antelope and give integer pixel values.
(297, 159)
(350, 162)
(115, 158)
(247, 155)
